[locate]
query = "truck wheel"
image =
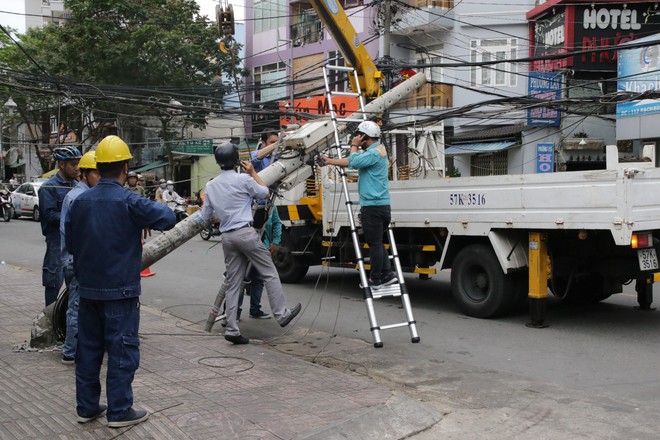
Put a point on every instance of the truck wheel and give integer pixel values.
(288, 266)
(479, 285)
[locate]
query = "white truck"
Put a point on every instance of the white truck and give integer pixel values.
(601, 229)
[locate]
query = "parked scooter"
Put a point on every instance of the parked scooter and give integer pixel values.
(212, 231)
(6, 205)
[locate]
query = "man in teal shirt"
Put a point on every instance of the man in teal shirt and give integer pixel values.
(374, 191)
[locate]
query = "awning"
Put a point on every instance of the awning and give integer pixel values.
(151, 166)
(485, 147)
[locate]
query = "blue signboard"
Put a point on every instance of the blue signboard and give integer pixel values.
(545, 158)
(545, 86)
(638, 72)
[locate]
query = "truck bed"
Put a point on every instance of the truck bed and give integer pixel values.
(623, 199)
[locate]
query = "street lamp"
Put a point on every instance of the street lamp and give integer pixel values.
(10, 105)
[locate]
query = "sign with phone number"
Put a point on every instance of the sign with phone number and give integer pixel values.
(467, 199)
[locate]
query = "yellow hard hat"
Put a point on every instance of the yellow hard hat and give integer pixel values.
(88, 161)
(112, 149)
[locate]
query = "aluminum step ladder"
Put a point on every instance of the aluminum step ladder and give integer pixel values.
(394, 290)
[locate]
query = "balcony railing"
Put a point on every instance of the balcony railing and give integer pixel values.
(429, 95)
(446, 4)
(306, 32)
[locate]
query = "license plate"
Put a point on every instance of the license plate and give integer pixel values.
(648, 259)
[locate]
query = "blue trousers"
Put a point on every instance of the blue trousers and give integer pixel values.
(375, 220)
(110, 326)
(52, 270)
(255, 289)
(71, 340)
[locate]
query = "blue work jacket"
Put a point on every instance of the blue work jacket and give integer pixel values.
(51, 196)
(103, 233)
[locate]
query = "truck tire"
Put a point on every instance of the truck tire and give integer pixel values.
(289, 267)
(479, 285)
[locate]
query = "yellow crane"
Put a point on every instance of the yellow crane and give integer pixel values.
(339, 26)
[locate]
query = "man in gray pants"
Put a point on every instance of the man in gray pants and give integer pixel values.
(229, 198)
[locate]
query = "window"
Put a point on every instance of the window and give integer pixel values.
(500, 74)
(492, 164)
(269, 14)
(308, 28)
(269, 82)
(338, 80)
(350, 3)
(433, 93)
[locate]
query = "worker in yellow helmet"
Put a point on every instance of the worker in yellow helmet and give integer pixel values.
(103, 233)
(89, 177)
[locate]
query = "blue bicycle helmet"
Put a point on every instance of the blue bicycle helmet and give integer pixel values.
(66, 153)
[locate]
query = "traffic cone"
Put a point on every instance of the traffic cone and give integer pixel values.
(146, 272)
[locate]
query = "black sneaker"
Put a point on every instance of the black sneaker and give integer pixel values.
(260, 315)
(67, 360)
(99, 413)
(387, 280)
(237, 339)
(132, 418)
(293, 314)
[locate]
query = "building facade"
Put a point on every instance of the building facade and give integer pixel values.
(288, 52)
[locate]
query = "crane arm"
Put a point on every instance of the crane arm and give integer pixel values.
(339, 26)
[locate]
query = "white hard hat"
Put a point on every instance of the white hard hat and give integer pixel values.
(369, 128)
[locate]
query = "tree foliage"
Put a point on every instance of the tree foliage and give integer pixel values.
(129, 42)
(126, 57)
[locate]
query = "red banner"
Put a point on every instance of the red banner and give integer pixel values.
(318, 105)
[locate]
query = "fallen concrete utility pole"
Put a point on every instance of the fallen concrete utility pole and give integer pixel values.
(299, 147)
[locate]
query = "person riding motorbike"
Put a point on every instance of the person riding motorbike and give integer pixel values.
(174, 201)
(132, 183)
(6, 205)
(162, 186)
(170, 197)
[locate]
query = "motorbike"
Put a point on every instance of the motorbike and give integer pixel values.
(6, 206)
(212, 231)
(180, 212)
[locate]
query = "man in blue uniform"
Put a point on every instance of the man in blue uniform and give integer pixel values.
(374, 191)
(229, 198)
(51, 196)
(263, 156)
(89, 177)
(103, 233)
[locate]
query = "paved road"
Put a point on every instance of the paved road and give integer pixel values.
(604, 356)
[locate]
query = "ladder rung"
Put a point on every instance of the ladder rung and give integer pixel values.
(386, 291)
(340, 68)
(350, 120)
(345, 94)
(399, 324)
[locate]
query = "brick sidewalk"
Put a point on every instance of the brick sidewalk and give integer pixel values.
(197, 386)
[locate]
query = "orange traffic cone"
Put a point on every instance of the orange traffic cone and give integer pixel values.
(147, 272)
